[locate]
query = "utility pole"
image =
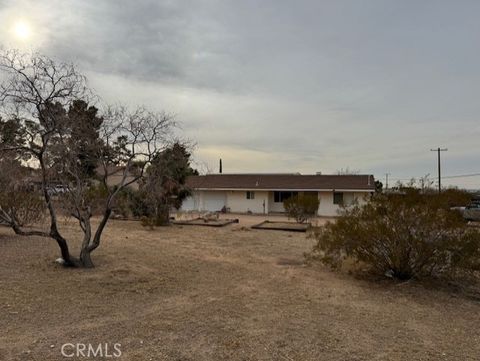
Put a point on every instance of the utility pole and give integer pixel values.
(220, 170)
(386, 180)
(438, 150)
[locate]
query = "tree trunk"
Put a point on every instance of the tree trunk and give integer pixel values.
(89, 246)
(54, 233)
(86, 259)
(163, 215)
(62, 243)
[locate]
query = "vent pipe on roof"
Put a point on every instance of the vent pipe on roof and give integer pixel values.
(220, 167)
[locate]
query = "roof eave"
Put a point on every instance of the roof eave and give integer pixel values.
(287, 189)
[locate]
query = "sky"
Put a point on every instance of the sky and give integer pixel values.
(282, 86)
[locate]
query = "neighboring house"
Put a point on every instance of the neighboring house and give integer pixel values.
(265, 193)
(33, 177)
(115, 176)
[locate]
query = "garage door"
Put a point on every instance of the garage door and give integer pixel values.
(188, 204)
(214, 201)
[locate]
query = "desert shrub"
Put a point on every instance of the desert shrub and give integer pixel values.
(25, 207)
(148, 222)
(19, 203)
(409, 235)
(95, 195)
(301, 207)
(454, 197)
(139, 204)
(156, 216)
(130, 203)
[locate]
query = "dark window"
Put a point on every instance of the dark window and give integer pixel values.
(250, 195)
(279, 197)
(276, 197)
(338, 198)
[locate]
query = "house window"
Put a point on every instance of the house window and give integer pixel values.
(250, 195)
(338, 198)
(279, 197)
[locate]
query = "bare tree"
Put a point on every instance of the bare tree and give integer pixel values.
(32, 84)
(423, 184)
(130, 141)
(37, 97)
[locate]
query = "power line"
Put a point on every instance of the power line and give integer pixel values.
(448, 176)
(463, 175)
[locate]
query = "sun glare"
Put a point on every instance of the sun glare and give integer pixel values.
(22, 30)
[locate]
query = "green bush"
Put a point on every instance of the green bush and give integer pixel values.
(156, 218)
(139, 204)
(301, 207)
(131, 203)
(96, 195)
(408, 235)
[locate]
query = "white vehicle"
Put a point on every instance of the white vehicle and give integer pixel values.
(57, 189)
(472, 211)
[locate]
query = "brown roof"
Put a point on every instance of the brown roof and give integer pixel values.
(281, 182)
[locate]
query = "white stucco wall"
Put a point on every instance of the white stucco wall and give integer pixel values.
(237, 202)
(274, 207)
(191, 203)
(205, 201)
(278, 207)
(328, 209)
(362, 198)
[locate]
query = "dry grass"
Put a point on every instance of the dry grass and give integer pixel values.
(200, 293)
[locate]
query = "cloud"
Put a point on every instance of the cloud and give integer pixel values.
(282, 86)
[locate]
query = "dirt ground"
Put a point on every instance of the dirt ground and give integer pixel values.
(201, 293)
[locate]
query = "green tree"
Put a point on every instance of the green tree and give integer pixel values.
(85, 123)
(164, 184)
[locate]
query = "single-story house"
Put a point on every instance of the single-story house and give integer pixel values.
(115, 176)
(265, 193)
